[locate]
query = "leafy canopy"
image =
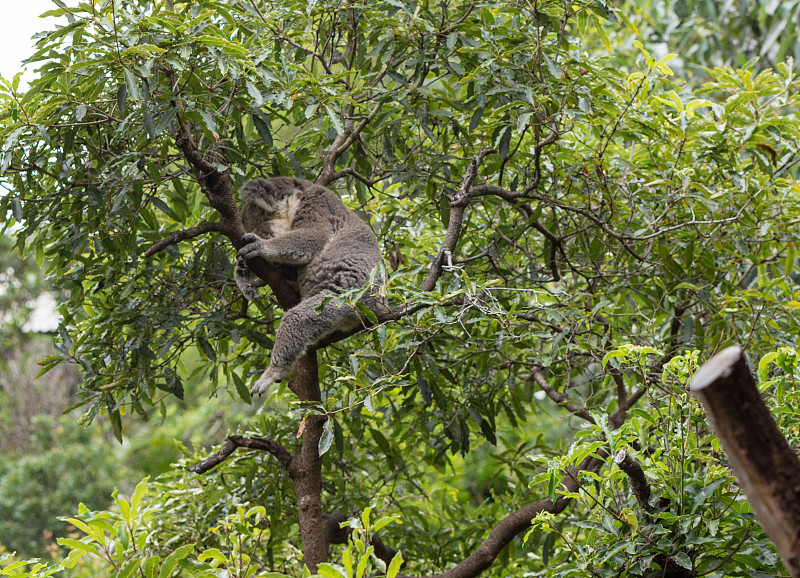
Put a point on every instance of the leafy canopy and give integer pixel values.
(591, 220)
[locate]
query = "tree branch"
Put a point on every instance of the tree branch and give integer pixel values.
(458, 203)
(185, 234)
(639, 484)
(515, 523)
(762, 460)
(237, 441)
(341, 143)
(560, 398)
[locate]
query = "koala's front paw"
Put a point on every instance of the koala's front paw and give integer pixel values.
(260, 387)
(254, 246)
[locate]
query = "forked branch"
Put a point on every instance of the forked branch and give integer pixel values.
(458, 203)
(236, 441)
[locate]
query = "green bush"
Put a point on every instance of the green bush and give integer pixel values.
(66, 466)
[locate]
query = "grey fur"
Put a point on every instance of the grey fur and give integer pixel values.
(299, 225)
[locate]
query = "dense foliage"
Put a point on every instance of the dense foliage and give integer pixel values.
(569, 229)
(65, 467)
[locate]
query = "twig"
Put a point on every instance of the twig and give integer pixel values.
(458, 203)
(559, 398)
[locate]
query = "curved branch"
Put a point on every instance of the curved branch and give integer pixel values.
(185, 234)
(237, 441)
(515, 523)
(341, 143)
(560, 398)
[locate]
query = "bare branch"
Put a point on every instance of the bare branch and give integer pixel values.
(639, 484)
(237, 441)
(185, 234)
(762, 460)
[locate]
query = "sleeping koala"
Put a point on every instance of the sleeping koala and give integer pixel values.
(305, 227)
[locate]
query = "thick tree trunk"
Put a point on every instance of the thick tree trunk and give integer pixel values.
(766, 467)
(306, 467)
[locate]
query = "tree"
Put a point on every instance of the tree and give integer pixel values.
(560, 214)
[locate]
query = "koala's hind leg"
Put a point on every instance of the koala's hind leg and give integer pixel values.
(303, 327)
(246, 281)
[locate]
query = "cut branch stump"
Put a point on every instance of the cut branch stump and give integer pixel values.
(766, 467)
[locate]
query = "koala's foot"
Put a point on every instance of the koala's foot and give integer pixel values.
(242, 277)
(267, 378)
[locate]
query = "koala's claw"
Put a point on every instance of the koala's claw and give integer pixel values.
(253, 246)
(250, 293)
(260, 387)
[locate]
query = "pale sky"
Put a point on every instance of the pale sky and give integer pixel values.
(20, 21)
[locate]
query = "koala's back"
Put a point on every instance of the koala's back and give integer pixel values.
(351, 251)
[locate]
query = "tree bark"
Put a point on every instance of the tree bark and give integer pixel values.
(306, 467)
(766, 467)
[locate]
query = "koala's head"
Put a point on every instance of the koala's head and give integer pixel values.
(268, 205)
(271, 194)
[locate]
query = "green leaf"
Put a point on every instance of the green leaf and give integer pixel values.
(241, 388)
(602, 33)
(628, 23)
(129, 568)
(705, 493)
(394, 565)
(79, 545)
(475, 119)
(263, 130)
(552, 67)
(122, 98)
(172, 560)
(552, 486)
(328, 570)
(326, 439)
(504, 142)
(116, 423)
(255, 94)
(149, 125)
(337, 124)
(207, 349)
(150, 566)
(682, 560)
(212, 554)
(132, 84)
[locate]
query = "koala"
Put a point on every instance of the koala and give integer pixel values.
(307, 230)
